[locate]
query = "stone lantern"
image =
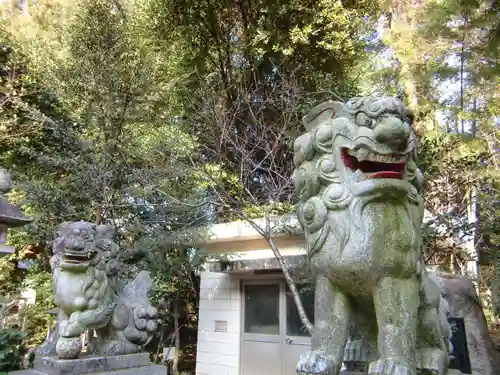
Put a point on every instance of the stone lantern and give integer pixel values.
(10, 214)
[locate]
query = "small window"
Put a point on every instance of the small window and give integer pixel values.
(221, 326)
(262, 309)
(294, 326)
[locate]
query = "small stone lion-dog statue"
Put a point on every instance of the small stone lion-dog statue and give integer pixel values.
(361, 212)
(85, 281)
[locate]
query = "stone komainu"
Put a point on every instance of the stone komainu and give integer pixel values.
(361, 211)
(86, 291)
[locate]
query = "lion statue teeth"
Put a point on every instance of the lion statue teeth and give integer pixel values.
(85, 269)
(361, 212)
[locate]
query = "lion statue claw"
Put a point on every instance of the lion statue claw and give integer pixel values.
(85, 270)
(318, 362)
(361, 212)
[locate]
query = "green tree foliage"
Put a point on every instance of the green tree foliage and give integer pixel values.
(249, 71)
(452, 167)
(41, 145)
(445, 60)
(11, 349)
(102, 149)
(37, 315)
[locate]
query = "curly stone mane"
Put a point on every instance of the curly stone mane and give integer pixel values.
(320, 181)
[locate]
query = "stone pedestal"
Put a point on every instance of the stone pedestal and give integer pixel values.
(449, 372)
(130, 364)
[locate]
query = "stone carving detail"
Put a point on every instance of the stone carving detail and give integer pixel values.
(361, 211)
(85, 274)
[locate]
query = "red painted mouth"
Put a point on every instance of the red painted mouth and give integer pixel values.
(375, 169)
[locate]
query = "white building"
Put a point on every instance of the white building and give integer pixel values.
(248, 323)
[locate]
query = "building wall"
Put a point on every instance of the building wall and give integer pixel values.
(218, 350)
(219, 324)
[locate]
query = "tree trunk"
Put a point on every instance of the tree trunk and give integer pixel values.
(175, 362)
(494, 149)
(462, 63)
(474, 121)
(472, 261)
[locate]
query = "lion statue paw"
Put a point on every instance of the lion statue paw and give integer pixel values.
(390, 366)
(69, 347)
(432, 361)
(317, 362)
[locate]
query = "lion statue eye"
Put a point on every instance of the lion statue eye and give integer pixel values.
(363, 120)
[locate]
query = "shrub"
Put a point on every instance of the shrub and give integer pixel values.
(11, 349)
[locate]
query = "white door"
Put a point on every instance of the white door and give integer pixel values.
(261, 337)
(273, 337)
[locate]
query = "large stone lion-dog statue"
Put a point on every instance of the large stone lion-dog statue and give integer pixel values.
(361, 212)
(89, 298)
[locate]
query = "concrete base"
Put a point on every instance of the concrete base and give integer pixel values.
(136, 364)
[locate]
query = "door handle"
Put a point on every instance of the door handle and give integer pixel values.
(288, 341)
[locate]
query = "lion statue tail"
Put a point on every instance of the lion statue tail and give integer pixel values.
(141, 330)
(143, 319)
